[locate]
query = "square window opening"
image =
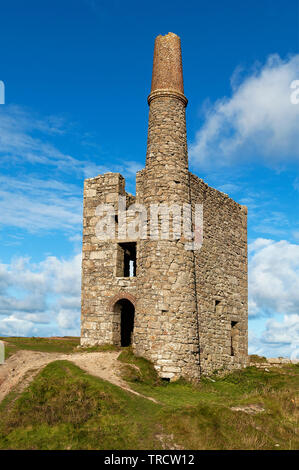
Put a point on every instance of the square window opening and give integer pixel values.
(126, 260)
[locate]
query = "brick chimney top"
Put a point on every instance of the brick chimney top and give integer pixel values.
(167, 67)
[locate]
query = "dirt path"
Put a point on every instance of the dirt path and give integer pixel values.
(20, 369)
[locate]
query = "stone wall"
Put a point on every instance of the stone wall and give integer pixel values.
(221, 279)
(272, 362)
(101, 288)
(185, 302)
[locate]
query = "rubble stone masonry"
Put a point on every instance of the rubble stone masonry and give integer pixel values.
(189, 306)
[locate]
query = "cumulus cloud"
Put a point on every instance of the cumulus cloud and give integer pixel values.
(280, 338)
(285, 332)
(273, 277)
(44, 298)
(40, 298)
(258, 120)
(274, 293)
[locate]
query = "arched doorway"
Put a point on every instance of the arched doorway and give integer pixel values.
(123, 324)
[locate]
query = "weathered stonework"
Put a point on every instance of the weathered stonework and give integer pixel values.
(266, 364)
(189, 307)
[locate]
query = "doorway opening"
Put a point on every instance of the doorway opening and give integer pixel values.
(124, 312)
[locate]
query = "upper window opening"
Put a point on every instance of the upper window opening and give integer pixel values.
(126, 260)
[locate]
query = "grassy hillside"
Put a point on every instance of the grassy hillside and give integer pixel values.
(65, 408)
(64, 345)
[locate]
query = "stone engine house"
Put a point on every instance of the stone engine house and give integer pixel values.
(185, 310)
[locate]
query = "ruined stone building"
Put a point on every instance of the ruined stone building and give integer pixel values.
(185, 310)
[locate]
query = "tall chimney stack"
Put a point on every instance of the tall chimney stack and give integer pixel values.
(167, 67)
(166, 331)
(167, 137)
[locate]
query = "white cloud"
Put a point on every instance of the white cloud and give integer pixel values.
(63, 275)
(273, 277)
(26, 201)
(274, 293)
(40, 298)
(67, 319)
(280, 338)
(286, 332)
(258, 120)
(33, 203)
(295, 234)
(23, 138)
(13, 326)
(26, 138)
(39, 206)
(44, 298)
(273, 223)
(228, 188)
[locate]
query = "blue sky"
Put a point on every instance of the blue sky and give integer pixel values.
(77, 74)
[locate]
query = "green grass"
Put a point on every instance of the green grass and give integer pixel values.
(65, 408)
(201, 415)
(100, 348)
(138, 370)
(63, 345)
(254, 358)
